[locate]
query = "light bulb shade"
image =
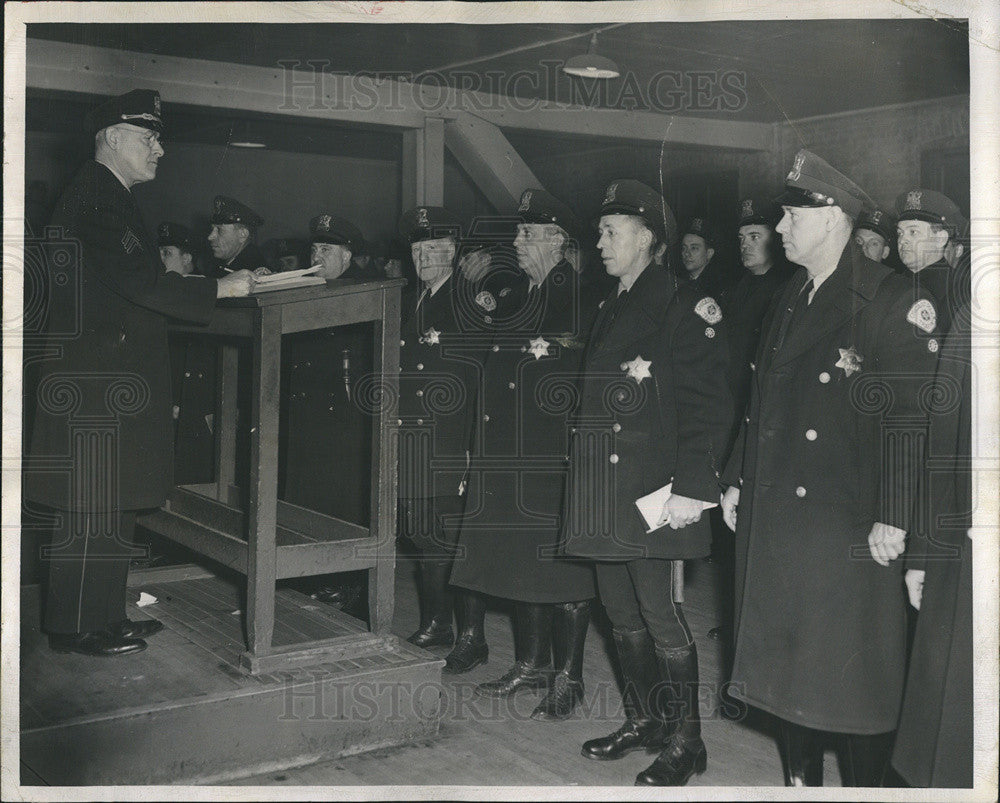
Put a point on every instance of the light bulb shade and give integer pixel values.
(591, 66)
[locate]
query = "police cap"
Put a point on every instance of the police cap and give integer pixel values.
(229, 210)
(428, 223)
(168, 233)
(539, 206)
(701, 227)
(813, 183)
(140, 107)
(929, 205)
(332, 229)
(757, 211)
(878, 221)
(627, 196)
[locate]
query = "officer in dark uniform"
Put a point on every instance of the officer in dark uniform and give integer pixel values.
(509, 549)
(654, 409)
(699, 241)
(437, 390)
(934, 743)
(765, 272)
(823, 476)
(192, 361)
(326, 422)
(101, 446)
(928, 221)
(234, 229)
(874, 233)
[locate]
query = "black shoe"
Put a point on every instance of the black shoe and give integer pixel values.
(100, 643)
(141, 629)
(466, 655)
(629, 737)
(436, 634)
(676, 764)
(564, 695)
(519, 676)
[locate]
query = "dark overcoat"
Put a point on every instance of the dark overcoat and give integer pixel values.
(829, 447)
(436, 397)
(326, 445)
(934, 745)
(509, 538)
(103, 430)
(654, 406)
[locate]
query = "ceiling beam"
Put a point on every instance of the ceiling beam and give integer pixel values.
(303, 90)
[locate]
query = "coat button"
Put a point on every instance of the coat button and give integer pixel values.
(824, 377)
(753, 366)
(624, 366)
(187, 374)
(496, 348)
(613, 459)
(800, 492)
(810, 434)
(399, 422)
(420, 366)
(511, 385)
(747, 419)
(402, 342)
(486, 418)
(420, 421)
(616, 427)
(420, 393)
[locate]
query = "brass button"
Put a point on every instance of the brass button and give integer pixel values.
(399, 422)
(511, 385)
(613, 459)
(420, 366)
(810, 434)
(420, 421)
(402, 342)
(420, 393)
(824, 377)
(616, 427)
(800, 492)
(496, 348)
(486, 418)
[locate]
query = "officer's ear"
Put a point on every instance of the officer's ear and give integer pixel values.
(885, 252)
(242, 232)
(710, 252)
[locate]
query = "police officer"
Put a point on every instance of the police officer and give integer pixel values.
(928, 222)
(825, 487)
(109, 383)
(654, 410)
(234, 228)
(765, 272)
(698, 248)
(192, 361)
(437, 388)
(176, 250)
(874, 233)
(327, 461)
(509, 549)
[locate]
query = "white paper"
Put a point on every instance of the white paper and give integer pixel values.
(146, 599)
(284, 275)
(651, 506)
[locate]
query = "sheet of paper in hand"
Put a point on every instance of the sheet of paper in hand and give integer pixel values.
(651, 506)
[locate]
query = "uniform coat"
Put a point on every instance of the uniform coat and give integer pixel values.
(113, 374)
(634, 434)
(327, 412)
(509, 542)
(250, 258)
(820, 626)
(934, 742)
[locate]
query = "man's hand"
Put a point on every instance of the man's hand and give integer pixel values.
(235, 285)
(730, 501)
(475, 264)
(915, 586)
(886, 542)
(680, 511)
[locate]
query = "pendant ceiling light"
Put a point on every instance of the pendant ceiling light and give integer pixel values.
(592, 65)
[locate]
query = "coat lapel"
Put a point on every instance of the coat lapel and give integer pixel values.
(643, 312)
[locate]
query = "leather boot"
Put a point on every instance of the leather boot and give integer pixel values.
(865, 758)
(684, 753)
(435, 605)
(642, 730)
(470, 650)
(802, 751)
(532, 652)
(569, 634)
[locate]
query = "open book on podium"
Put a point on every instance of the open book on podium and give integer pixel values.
(288, 279)
(651, 506)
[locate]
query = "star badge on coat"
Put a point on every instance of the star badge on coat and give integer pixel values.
(850, 361)
(638, 368)
(431, 337)
(539, 346)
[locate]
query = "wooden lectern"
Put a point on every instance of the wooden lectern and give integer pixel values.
(249, 529)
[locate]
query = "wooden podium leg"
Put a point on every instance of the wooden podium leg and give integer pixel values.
(263, 491)
(225, 420)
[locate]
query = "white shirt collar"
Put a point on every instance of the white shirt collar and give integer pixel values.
(437, 285)
(818, 280)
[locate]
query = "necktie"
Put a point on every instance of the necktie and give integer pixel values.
(610, 315)
(799, 309)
